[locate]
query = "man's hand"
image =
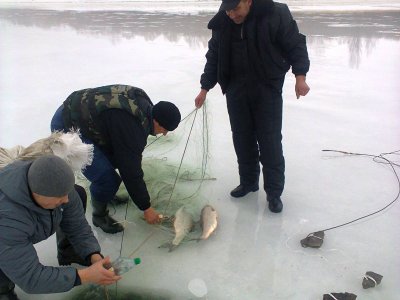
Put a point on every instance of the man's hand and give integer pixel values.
(151, 216)
(97, 274)
(201, 97)
(301, 86)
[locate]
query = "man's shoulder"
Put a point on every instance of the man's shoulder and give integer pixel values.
(15, 217)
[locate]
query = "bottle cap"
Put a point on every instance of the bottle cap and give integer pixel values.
(137, 260)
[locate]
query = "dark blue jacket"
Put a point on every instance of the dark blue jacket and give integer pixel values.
(23, 223)
(273, 41)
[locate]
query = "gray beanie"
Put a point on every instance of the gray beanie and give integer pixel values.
(50, 176)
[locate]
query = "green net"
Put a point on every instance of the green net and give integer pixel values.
(175, 166)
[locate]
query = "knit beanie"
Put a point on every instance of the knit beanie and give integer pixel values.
(167, 115)
(50, 176)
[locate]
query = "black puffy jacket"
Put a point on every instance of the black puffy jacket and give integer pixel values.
(273, 41)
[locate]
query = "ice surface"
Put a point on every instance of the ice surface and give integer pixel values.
(254, 254)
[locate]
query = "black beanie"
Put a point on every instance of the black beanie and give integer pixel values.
(167, 115)
(50, 176)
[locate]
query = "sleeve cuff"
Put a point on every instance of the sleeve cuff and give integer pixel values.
(77, 279)
(88, 258)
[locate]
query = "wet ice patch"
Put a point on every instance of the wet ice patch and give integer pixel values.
(198, 287)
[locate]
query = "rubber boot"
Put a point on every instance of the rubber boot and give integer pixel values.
(102, 219)
(242, 190)
(275, 204)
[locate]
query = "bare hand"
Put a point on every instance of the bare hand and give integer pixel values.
(301, 86)
(201, 97)
(151, 216)
(97, 274)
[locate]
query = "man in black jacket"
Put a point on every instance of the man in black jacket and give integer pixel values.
(253, 45)
(117, 120)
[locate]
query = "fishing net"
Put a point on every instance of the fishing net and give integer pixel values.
(175, 166)
(7, 156)
(67, 146)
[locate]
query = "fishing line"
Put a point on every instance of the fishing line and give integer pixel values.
(204, 154)
(158, 137)
(315, 239)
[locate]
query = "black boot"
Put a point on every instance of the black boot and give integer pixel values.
(102, 219)
(66, 253)
(7, 292)
(242, 190)
(275, 204)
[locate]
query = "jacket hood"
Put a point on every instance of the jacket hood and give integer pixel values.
(258, 8)
(14, 184)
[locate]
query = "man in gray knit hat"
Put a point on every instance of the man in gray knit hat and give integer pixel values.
(36, 199)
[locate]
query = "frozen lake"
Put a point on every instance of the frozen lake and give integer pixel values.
(353, 105)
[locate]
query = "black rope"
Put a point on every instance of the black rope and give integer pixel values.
(377, 159)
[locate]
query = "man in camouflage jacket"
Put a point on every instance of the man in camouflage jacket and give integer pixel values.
(117, 120)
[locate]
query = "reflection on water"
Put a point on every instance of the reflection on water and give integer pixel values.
(359, 29)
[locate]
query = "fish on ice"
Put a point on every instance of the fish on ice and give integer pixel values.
(183, 224)
(208, 221)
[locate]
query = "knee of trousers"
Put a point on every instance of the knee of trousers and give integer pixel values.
(6, 285)
(105, 187)
(271, 150)
(82, 195)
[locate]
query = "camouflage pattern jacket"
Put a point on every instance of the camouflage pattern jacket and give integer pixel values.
(83, 108)
(117, 119)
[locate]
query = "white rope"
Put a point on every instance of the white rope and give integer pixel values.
(371, 278)
(333, 296)
(312, 235)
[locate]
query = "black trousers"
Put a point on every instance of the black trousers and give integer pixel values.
(255, 113)
(63, 244)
